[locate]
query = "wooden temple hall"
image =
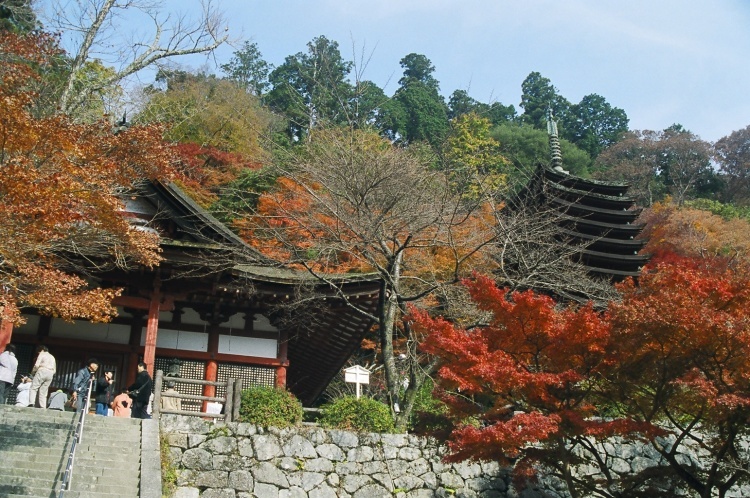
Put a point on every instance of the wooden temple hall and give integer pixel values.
(214, 309)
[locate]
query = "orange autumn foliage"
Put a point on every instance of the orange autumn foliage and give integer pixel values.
(203, 170)
(60, 188)
(695, 232)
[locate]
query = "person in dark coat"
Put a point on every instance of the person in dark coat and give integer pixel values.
(80, 385)
(140, 392)
(104, 392)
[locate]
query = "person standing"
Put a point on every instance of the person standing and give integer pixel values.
(80, 386)
(140, 393)
(8, 370)
(104, 389)
(43, 371)
(121, 404)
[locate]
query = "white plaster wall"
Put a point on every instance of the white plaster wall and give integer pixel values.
(236, 321)
(83, 330)
(179, 339)
(248, 346)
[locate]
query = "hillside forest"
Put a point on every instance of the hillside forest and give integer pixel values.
(320, 170)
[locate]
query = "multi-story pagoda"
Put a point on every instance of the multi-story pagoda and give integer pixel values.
(597, 217)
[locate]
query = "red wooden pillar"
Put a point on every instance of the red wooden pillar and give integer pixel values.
(6, 332)
(212, 366)
(281, 370)
(152, 329)
(281, 377)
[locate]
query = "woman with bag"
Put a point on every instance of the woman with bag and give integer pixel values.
(140, 392)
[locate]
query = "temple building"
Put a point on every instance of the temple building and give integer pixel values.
(213, 309)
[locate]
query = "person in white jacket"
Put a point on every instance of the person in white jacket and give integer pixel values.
(43, 372)
(24, 390)
(8, 369)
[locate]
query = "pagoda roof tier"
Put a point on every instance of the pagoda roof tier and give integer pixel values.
(583, 211)
(597, 218)
(615, 259)
(591, 198)
(620, 246)
(614, 189)
(614, 274)
(600, 228)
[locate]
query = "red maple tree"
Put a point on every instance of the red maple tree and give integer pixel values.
(667, 365)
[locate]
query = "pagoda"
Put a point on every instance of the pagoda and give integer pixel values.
(597, 217)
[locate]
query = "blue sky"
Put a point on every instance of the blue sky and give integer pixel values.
(663, 62)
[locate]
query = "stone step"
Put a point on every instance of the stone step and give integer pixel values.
(17, 472)
(36, 413)
(93, 468)
(24, 425)
(20, 490)
(43, 460)
(85, 446)
(53, 461)
(103, 487)
(105, 428)
(99, 494)
(56, 416)
(52, 439)
(34, 430)
(29, 486)
(35, 447)
(81, 482)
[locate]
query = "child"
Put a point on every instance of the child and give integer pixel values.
(121, 404)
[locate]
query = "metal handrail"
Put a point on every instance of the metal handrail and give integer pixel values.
(77, 438)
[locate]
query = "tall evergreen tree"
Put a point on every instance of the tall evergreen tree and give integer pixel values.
(537, 95)
(312, 88)
(417, 111)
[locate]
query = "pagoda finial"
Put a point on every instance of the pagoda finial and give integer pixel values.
(554, 142)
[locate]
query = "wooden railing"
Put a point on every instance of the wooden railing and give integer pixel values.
(230, 402)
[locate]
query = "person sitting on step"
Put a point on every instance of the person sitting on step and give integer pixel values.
(24, 390)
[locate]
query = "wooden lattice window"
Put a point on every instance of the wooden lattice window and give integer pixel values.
(250, 375)
(189, 369)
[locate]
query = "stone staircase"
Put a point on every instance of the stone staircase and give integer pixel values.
(34, 446)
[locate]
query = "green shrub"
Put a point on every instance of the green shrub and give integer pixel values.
(269, 407)
(361, 415)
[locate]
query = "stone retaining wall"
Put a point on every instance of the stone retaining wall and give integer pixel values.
(241, 461)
